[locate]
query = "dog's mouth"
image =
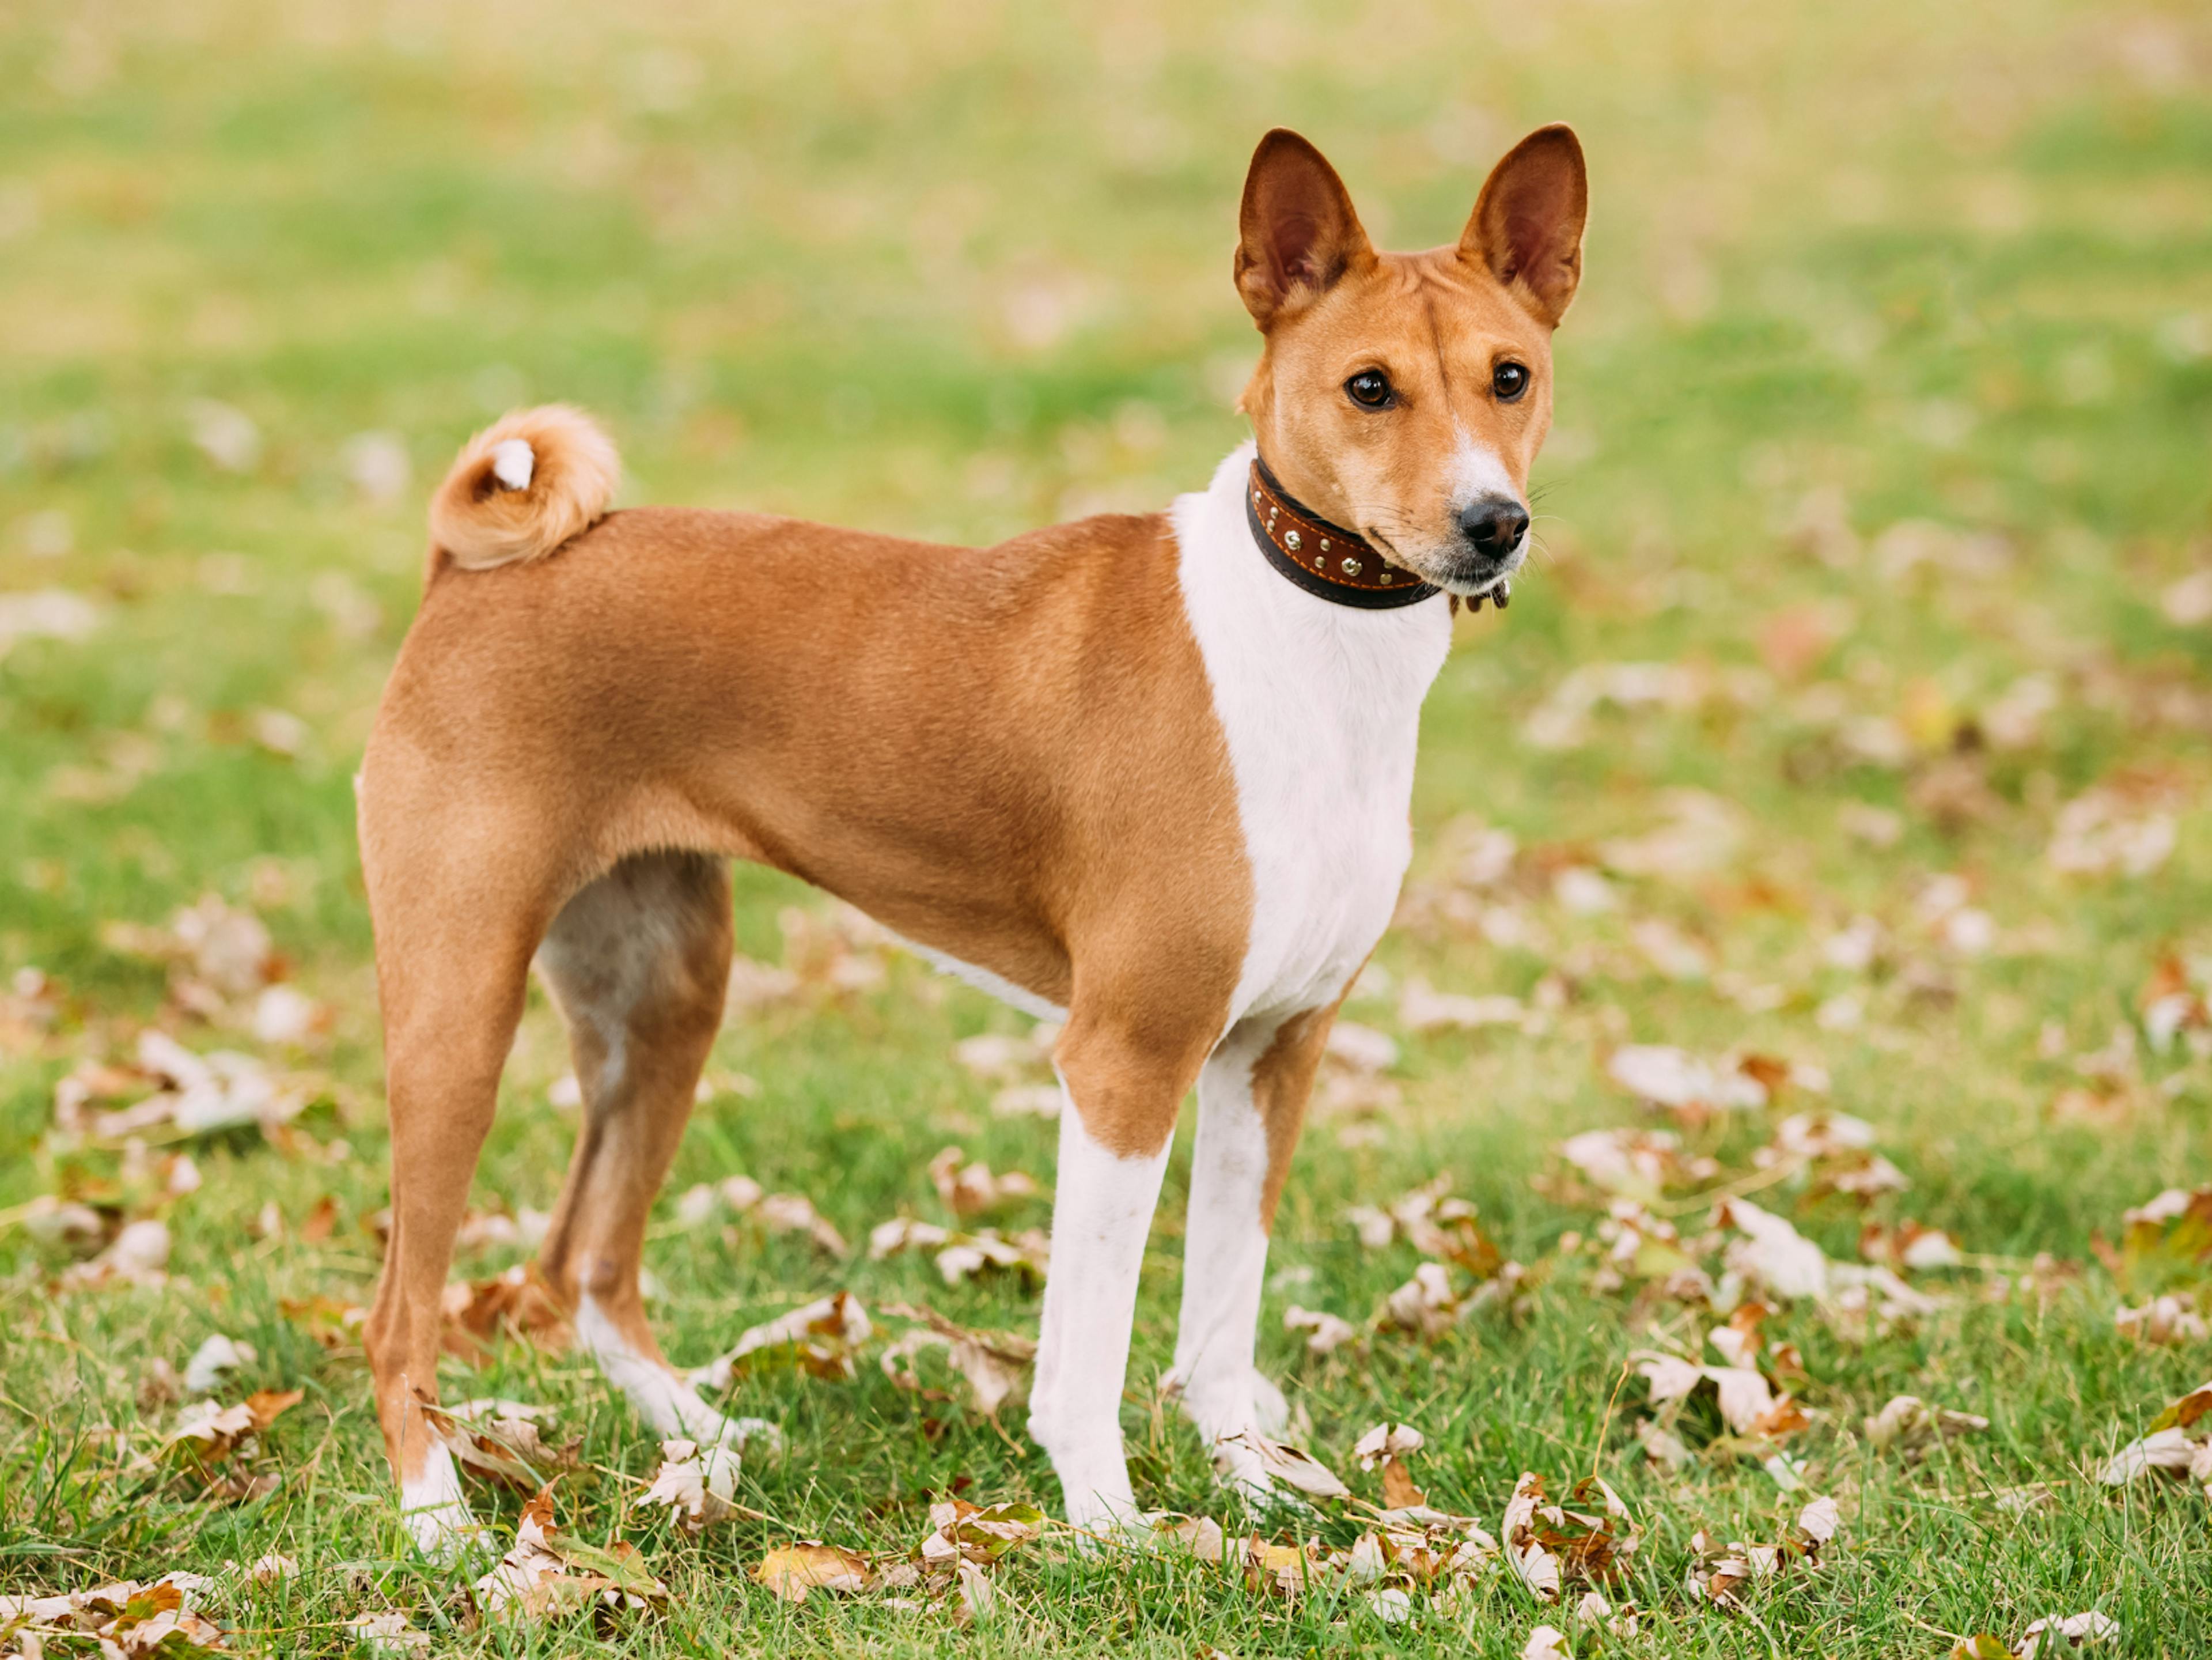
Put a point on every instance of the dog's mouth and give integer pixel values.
(1461, 569)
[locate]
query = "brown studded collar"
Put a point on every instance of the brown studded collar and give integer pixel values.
(1339, 565)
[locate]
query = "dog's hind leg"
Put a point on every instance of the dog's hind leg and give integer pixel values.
(1251, 1104)
(454, 958)
(638, 961)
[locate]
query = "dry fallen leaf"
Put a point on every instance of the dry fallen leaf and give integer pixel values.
(1909, 1427)
(546, 1575)
(2179, 1441)
(1551, 1547)
(1292, 1466)
(994, 1366)
(2075, 1631)
(518, 1303)
(794, 1570)
(388, 1634)
(502, 1440)
(968, 1187)
(698, 1490)
(819, 1339)
(1327, 1332)
(130, 1621)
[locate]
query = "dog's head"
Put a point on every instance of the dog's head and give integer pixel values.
(1405, 395)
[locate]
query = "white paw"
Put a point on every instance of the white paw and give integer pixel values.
(1094, 1484)
(436, 1516)
(1271, 1412)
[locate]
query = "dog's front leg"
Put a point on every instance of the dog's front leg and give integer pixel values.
(1251, 1102)
(1117, 1120)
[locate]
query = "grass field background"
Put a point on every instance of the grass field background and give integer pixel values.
(1885, 428)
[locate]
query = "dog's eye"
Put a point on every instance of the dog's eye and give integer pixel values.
(1370, 389)
(1508, 381)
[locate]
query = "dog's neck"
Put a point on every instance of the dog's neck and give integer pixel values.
(1325, 559)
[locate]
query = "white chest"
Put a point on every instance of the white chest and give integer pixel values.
(1320, 707)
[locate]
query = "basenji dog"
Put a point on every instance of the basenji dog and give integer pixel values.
(1149, 776)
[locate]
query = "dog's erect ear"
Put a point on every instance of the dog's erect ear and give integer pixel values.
(1300, 233)
(1528, 223)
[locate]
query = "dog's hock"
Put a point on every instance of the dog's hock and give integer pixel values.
(513, 462)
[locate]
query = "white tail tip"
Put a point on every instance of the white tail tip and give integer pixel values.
(523, 486)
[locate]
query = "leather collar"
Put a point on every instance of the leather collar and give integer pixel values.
(1339, 565)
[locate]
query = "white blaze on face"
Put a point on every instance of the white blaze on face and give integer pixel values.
(1476, 471)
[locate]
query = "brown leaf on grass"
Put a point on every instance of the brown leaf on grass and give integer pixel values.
(819, 1339)
(1636, 1163)
(547, 1575)
(138, 1255)
(1292, 1466)
(792, 1213)
(1422, 1008)
(1553, 1549)
(1771, 1253)
(1719, 1572)
(2179, 1442)
(518, 1303)
(992, 1366)
(792, 1571)
(2116, 829)
(214, 952)
(2161, 1321)
(963, 1256)
(1399, 1492)
(1672, 1079)
(208, 1434)
(2167, 1242)
(2075, 1631)
(130, 1621)
(1386, 1442)
(961, 1532)
(968, 1187)
(700, 1489)
(1434, 1222)
(1912, 1428)
(198, 1094)
(1909, 1246)
(387, 1634)
(30, 1007)
(1327, 1333)
(503, 1441)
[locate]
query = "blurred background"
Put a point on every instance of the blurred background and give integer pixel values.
(1876, 510)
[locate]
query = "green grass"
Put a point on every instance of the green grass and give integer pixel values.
(958, 269)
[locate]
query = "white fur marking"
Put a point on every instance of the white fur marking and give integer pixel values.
(983, 980)
(513, 462)
(1477, 472)
(662, 1397)
(1225, 1260)
(431, 1505)
(1324, 801)
(1102, 1211)
(1325, 798)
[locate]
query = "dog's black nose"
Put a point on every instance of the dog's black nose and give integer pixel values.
(1494, 524)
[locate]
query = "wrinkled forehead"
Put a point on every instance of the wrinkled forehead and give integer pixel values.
(1414, 312)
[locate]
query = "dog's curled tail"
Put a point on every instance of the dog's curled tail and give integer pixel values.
(522, 487)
